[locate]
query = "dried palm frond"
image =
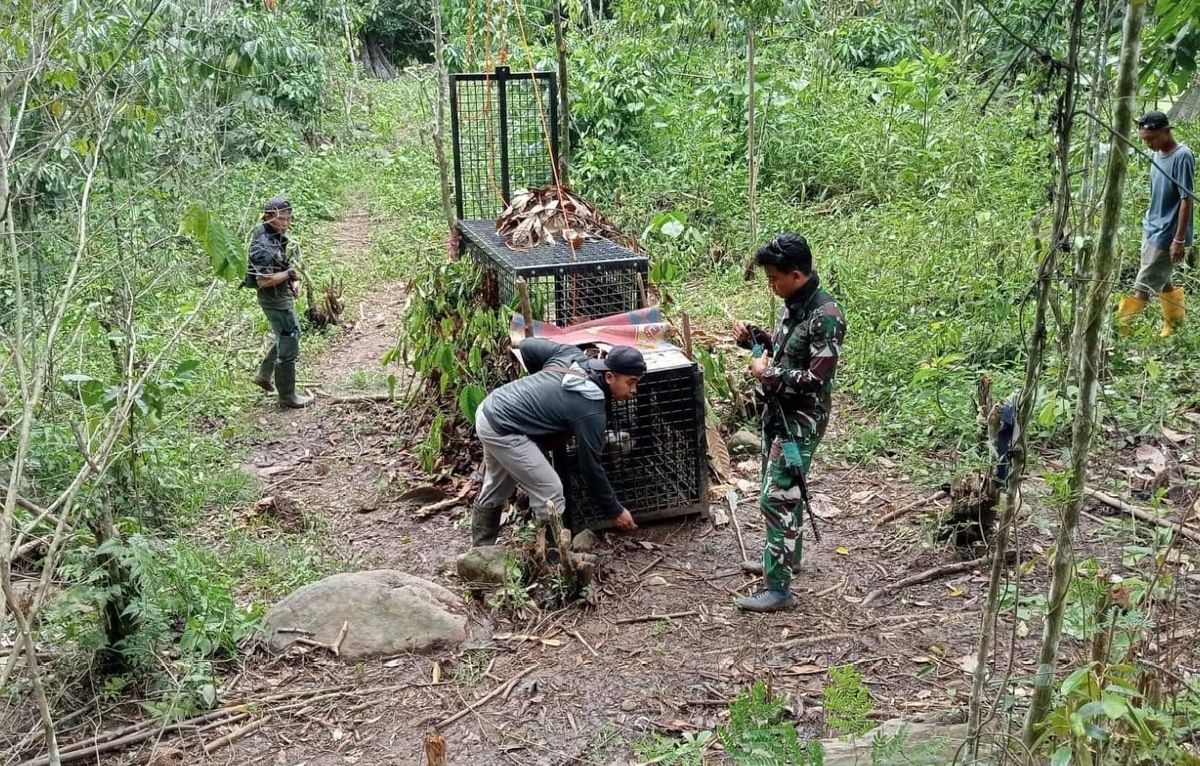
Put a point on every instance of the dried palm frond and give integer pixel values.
(539, 215)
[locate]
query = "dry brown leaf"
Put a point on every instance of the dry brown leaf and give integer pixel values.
(718, 454)
(536, 216)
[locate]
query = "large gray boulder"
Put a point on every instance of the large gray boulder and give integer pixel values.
(386, 612)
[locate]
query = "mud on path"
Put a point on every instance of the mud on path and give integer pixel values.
(580, 685)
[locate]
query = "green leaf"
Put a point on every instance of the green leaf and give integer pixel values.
(227, 259)
(1072, 682)
(469, 400)
(1062, 756)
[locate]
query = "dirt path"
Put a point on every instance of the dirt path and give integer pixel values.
(588, 688)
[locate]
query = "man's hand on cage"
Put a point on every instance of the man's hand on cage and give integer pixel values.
(625, 521)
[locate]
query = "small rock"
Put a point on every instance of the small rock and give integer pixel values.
(585, 542)
(629, 704)
(485, 564)
(745, 441)
(657, 580)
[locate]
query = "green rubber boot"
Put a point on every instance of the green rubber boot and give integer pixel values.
(285, 383)
(266, 369)
(767, 601)
(485, 526)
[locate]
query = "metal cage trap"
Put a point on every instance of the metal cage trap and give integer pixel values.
(504, 131)
(656, 456)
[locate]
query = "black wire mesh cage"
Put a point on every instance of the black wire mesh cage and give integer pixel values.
(596, 279)
(504, 135)
(655, 455)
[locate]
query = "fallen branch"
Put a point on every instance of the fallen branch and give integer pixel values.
(929, 574)
(472, 706)
(648, 567)
(236, 734)
(913, 506)
(356, 398)
(737, 527)
(426, 511)
(832, 588)
(336, 646)
(655, 617)
(811, 640)
(1142, 514)
(118, 739)
(579, 638)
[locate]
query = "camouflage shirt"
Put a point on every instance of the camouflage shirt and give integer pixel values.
(804, 355)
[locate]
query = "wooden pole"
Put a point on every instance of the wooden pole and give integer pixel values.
(526, 311)
(641, 289)
(439, 124)
(687, 336)
(564, 102)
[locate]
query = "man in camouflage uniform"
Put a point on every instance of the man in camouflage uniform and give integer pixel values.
(795, 369)
(269, 271)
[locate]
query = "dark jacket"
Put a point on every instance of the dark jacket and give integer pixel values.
(538, 406)
(269, 255)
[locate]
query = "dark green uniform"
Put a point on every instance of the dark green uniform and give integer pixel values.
(798, 389)
(269, 255)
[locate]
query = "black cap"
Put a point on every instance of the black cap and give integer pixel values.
(1153, 120)
(623, 360)
(277, 204)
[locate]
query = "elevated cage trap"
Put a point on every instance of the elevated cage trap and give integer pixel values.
(504, 131)
(656, 456)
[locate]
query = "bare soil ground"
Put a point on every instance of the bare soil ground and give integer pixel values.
(582, 688)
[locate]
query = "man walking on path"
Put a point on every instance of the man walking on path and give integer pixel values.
(795, 369)
(277, 284)
(1167, 228)
(563, 396)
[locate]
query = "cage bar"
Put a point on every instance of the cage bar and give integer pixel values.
(504, 136)
(656, 458)
(566, 286)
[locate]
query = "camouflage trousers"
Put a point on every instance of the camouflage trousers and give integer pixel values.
(783, 507)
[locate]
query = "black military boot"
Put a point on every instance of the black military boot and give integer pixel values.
(767, 600)
(485, 526)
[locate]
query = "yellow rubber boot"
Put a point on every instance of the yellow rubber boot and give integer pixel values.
(1172, 311)
(1127, 309)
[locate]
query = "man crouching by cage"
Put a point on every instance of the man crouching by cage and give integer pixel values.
(795, 369)
(563, 396)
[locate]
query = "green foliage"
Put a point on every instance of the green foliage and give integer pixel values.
(227, 258)
(847, 701)
(1173, 45)
(756, 735)
(688, 750)
(454, 344)
(1100, 714)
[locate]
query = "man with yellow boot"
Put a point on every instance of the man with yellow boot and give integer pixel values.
(1167, 227)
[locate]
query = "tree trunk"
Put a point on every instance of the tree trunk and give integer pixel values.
(1093, 181)
(564, 102)
(1091, 325)
(439, 127)
(751, 159)
(1010, 503)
